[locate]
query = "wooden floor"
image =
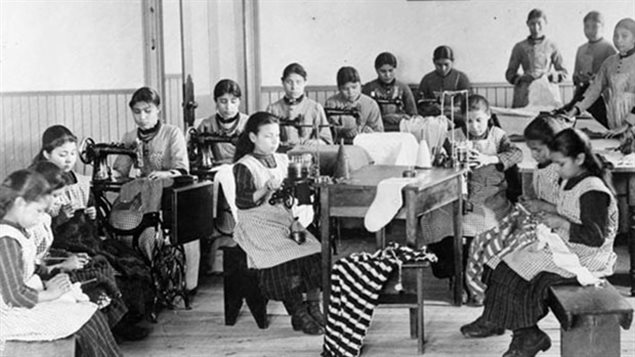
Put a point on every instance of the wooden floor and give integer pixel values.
(202, 332)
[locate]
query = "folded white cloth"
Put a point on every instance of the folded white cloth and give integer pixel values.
(388, 200)
(563, 257)
(389, 148)
(225, 178)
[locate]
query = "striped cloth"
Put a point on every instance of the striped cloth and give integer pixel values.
(356, 281)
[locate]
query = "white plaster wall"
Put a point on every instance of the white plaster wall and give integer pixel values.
(324, 35)
(70, 45)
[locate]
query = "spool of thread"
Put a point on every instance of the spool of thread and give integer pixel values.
(294, 171)
(409, 173)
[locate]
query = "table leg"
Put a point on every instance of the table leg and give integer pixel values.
(458, 245)
(631, 232)
(326, 246)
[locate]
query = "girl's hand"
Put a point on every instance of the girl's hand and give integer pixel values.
(273, 184)
(617, 132)
(553, 221)
(156, 175)
(59, 285)
(478, 159)
(91, 212)
(67, 210)
(74, 262)
(533, 206)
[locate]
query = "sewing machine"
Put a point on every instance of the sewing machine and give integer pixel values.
(202, 149)
(97, 155)
(339, 128)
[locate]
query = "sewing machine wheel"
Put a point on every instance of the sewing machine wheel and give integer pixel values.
(86, 153)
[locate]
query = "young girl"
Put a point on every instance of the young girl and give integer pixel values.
(30, 310)
(516, 228)
(286, 269)
(73, 232)
(351, 97)
(536, 55)
(444, 78)
(585, 222)
(395, 98)
(616, 81)
(228, 121)
(588, 60)
(163, 145)
(295, 106)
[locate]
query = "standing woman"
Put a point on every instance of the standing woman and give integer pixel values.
(444, 78)
(164, 156)
(537, 55)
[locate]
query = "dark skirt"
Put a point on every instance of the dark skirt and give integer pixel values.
(512, 302)
(94, 339)
(287, 281)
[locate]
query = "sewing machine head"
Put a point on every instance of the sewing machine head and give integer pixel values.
(97, 155)
(301, 173)
(202, 149)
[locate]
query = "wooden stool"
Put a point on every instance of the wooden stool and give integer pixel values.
(590, 319)
(59, 348)
(240, 282)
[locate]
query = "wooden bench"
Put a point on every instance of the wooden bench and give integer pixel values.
(59, 348)
(590, 319)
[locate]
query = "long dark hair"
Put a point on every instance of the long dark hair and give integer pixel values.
(255, 121)
(572, 142)
(27, 184)
(52, 138)
(543, 128)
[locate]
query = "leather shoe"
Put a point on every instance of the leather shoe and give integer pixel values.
(316, 313)
(527, 342)
(302, 320)
(481, 328)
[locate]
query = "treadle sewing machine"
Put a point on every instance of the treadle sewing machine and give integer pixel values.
(97, 155)
(203, 151)
(183, 217)
(338, 125)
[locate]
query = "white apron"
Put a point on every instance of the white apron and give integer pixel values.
(46, 321)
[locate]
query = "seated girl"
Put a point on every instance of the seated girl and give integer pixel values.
(286, 269)
(444, 78)
(164, 155)
(32, 310)
(513, 230)
(489, 152)
(228, 121)
(394, 97)
(296, 107)
(69, 225)
(366, 117)
(585, 223)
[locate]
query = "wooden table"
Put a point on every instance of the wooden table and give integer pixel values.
(623, 176)
(432, 189)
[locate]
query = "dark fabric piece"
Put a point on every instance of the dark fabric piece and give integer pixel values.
(512, 302)
(12, 288)
(245, 186)
(94, 339)
(289, 280)
(594, 215)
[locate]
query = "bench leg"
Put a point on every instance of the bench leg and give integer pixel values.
(596, 335)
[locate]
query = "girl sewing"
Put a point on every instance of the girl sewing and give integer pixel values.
(296, 108)
(69, 225)
(228, 120)
(444, 78)
(365, 115)
(394, 97)
(584, 225)
(286, 269)
(616, 82)
(537, 55)
(515, 228)
(32, 310)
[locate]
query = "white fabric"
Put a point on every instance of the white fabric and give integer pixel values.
(563, 257)
(424, 157)
(387, 202)
(543, 93)
(434, 130)
(389, 148)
